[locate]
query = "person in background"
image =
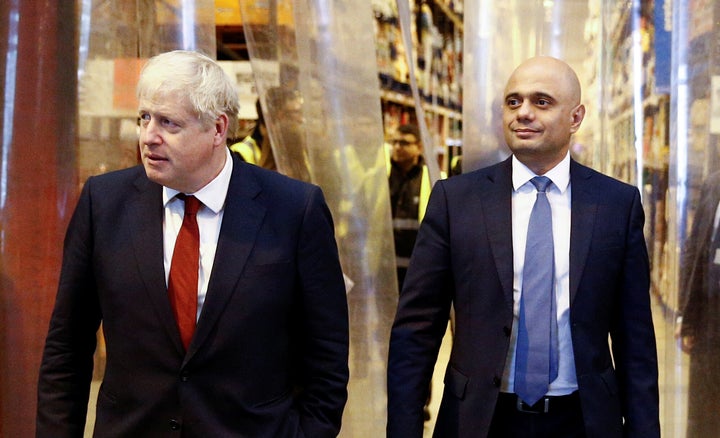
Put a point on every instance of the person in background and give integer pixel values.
(699, 330)
(256, 148)
(557, 341)
(249, 147)
(217, 282)
(409, 192)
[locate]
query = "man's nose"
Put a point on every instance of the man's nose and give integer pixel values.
(525, 111)
(150, 134)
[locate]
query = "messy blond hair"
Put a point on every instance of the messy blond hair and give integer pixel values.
(203, 83)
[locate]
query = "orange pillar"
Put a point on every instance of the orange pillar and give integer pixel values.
(38, 188)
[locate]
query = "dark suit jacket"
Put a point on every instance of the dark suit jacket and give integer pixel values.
(269, 356)
(464, 256)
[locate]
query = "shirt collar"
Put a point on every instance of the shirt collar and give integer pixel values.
(214, 193)
(559, 175)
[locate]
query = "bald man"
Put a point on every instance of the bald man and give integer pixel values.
(596, 372)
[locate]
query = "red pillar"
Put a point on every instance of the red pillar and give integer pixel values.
(38, 188)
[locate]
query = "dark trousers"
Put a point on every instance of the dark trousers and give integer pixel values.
(563, 418)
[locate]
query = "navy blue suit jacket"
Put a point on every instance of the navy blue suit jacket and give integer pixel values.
(269, 356)
(464, 257)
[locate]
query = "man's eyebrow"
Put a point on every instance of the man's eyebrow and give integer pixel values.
(543, 95)
(538, 94)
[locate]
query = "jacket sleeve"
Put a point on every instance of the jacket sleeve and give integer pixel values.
(420, 322)
(323, 319)
(67, 362)
(633, 335)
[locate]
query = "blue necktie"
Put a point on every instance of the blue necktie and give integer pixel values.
(536, 362)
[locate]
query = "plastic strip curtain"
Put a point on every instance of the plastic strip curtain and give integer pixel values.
(498, 36)
(690, 274)
(115, 39)
(316, 75)
(488, 59)
(37, 126)
(685, 177)
(431, 162)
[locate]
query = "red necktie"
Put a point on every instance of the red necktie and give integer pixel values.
(183, 279)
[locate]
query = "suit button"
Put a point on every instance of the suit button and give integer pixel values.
(497, 381)
(507, 330)
(174, 425)
(184, 377)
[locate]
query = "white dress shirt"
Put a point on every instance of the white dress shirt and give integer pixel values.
(209, 219)
(523, 199)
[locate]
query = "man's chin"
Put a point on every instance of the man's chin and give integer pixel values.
(156, 175)
(523, 147)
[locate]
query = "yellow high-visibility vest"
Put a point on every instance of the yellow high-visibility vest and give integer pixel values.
(248, 149)
(425, 188)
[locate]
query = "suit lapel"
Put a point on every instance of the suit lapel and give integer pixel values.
(497, 190)
(146, 219)
(584, 209)
(240, 225)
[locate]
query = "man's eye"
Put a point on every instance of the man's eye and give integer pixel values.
(168, 123)
(512, 102)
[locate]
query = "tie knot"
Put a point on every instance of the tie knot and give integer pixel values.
(192, 204)
(541, 183)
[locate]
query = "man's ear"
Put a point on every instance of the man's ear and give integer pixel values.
(221, 126)
(577, 116)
